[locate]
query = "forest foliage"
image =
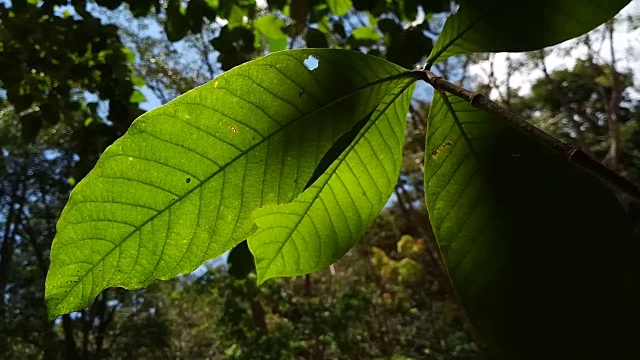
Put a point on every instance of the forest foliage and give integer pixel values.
(301, 165)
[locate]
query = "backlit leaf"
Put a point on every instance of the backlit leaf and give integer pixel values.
(180, 186)
(366, 33)
(326, 220)
(270, 26)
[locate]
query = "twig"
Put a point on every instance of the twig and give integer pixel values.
(574, 155)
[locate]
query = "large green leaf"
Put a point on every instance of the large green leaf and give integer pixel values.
(539, 251)
(180, 186)
(507, 25)
(319, 227)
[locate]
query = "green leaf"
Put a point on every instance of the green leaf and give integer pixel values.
(176, 25)
(137, 97)
(366, 33)
(326, 220)
(507, 25)
(240, 261)
(533, 244)
(316, 39)
(236, 16)
(179, 187)
(340, 7)
(138, 81)
(277, 45)
(271, 27)
(407, 47)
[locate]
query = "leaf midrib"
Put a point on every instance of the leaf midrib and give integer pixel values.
(221, 169)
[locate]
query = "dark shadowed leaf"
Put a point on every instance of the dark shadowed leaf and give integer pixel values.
(507, 25)
(533, 244)
(240, 261)
(316, 39)
(176, 24)
(407, 47)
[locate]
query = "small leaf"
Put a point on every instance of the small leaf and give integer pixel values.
(340, 7)
(236, 16)
(137, 97)
(316, 39)
(326, 220)
(277, 45)
(366, 33)
(179, 187)
(507, 25)
(407, 47)
(138, 81)
(271, 27)
(240, 261)
(533, 244)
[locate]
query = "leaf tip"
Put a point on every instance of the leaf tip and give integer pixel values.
(261, 278)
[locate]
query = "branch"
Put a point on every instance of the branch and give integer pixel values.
(574, 155)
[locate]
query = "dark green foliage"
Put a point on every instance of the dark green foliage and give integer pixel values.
(316, 39)
(177, 24)
(64, 54)
(508, 184)
(234, 45)
(406, 47)
(240, 261)
(196, 9)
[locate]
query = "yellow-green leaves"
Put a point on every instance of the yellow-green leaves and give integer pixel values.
(271, 27)
(340, 7)
(507, 25)
(533, 244)
(180, 186)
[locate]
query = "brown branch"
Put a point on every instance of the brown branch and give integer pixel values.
(574, 155)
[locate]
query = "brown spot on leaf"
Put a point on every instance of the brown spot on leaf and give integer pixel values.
(441, 147)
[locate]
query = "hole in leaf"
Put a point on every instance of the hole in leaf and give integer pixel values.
(311, 62)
